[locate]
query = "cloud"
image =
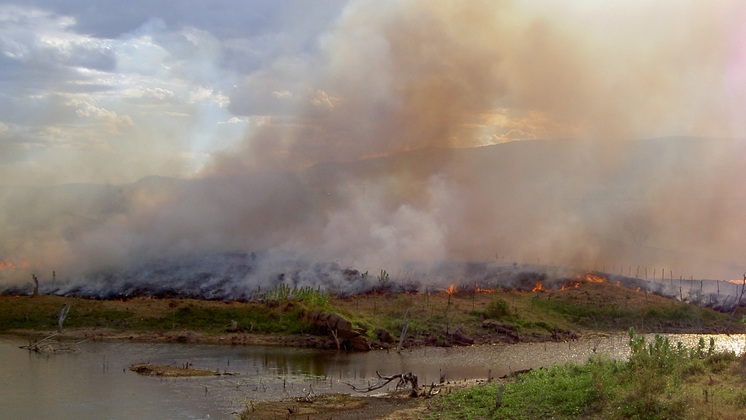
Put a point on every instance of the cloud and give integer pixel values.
(118, 94)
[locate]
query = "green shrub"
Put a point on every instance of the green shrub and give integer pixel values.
(656, 382)
(497, 308)
(562, 391)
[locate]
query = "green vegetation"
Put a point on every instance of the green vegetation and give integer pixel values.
(281, 310)
(659, 381)
(282, 293)
(593, 315)
(434, 318)
(498, 308)
(563, 391)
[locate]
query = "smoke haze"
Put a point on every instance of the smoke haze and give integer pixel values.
(414, 132)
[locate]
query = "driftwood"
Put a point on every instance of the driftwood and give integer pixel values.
(404, 378)
(434, 390)
(310, 395)
(46, 345)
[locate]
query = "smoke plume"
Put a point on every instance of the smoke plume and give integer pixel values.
(414, 133)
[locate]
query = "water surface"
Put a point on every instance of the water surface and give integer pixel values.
(95, 382)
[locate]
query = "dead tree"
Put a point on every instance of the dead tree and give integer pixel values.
(335, 335)
(405, 327)
(738, 302)
(404, 378)
(61, 316)
(36, 285)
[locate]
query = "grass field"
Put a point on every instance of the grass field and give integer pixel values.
(427, 319)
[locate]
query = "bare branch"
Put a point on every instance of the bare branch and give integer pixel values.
(36, 284)
(403, 378)
(334, 333)
(405, 327)
(61, 316)
(433, 390)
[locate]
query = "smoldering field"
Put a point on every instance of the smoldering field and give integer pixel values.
(499, 216)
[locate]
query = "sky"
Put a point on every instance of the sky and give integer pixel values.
(109, 93)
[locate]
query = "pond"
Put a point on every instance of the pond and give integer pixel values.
(95, 381)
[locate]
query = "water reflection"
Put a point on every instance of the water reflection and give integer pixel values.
(95, 382)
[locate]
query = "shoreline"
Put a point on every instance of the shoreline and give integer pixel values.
(185, 336)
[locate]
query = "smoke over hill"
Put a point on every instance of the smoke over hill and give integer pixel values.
(402, 137)
(666, 210)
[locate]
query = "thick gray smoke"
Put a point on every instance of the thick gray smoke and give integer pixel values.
(390, 146)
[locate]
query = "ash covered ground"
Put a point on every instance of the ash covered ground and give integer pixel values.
(252, 276)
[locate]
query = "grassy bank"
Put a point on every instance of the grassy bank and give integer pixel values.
(660, 380)
(152, 315)
(388, 319)
(531, 315)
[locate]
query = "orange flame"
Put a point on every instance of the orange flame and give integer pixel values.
(739, 282)
(593, 278)
(10, 265)
(571, 283)
(451, 289)
(538, 287)
(478, 289)
(7, 265)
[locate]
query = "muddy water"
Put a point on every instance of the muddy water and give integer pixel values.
(95, 382)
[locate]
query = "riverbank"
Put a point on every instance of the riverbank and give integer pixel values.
(392, 321)
(385, 320)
